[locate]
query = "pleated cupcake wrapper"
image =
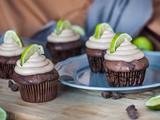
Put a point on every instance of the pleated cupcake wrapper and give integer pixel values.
(124, 79)
(6, 70)
(37, 93)
(58, 56)
(96, 63)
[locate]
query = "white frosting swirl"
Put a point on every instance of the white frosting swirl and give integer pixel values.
(9, 48)
(36, 64)
(125, 52)
(67, 35)
(103, 43)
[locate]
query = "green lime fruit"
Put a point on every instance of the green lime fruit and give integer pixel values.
(29, 51)
(3, 114)
(100, 28)
(62, 24)
(117, 40)
(78, 29)
(143, 43)
(16, 38)
(154, 103)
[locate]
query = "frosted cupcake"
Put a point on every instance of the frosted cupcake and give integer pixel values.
(64, 42)
(36, 76)
(10, 51)
(125, 65)
(97, 46)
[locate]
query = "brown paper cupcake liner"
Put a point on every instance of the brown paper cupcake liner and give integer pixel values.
(37, 93)
(6, 70)
(96, 63)
(58, 56)
(125, 79)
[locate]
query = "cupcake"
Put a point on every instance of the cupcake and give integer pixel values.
(10, 51)
(36, 76)
(97, 45)
(64, 42)
(125, 65)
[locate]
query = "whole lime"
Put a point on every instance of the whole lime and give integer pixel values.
(143, 43)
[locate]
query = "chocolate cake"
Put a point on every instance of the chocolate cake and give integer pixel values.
(37, 88)
(95, 58)
(121, 73)
(7, 65)
(125, 65)
(97, 45)
(10, 51)
(62, 51)
(64, 41)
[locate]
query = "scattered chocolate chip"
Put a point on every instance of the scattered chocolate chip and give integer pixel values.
(10, 83)
(14, 87)
(132, 112)
(113, 95)
(106, 94)
(116, 96)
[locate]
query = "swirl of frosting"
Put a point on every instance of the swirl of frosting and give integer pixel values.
(67, 35)
(125, 52)
(36, 64)
(9, 48)
(103, 43)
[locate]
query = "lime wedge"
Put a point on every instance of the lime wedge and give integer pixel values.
(62, 24)
(13, 35)
(117, 40)
(3, 114)
(29, 51)
(143, 43)
(154, 103)
(100, 28)
(78, 29)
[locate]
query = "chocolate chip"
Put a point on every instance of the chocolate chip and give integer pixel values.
(132, 112)
(14, 87)
(106, 94)
(116, 96)
(10, 83)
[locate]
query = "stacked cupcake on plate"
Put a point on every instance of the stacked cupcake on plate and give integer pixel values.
(114, 54)
(10, 51)
(36, 76)
(64, 42)
(97, 46)
(124, 63)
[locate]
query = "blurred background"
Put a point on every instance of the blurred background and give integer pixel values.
(36, 19)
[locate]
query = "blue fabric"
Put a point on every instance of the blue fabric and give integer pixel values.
(123, 15)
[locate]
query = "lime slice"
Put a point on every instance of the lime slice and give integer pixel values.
(143, 43)
(100, 28)
(62, 24)
(16, 38)
(154, 103)
(3, 114)
(117, 40)
(29, 51)
(78, 29)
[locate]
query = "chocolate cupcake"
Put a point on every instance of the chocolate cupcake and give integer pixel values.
(37, 78)
(96, 49)
(10, 51)
(64, 44)
(125, 66)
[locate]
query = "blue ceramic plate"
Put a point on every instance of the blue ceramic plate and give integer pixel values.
(75, 72)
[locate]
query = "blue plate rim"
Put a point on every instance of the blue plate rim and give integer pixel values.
(117, 89)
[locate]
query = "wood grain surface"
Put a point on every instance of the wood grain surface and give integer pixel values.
(76, 104)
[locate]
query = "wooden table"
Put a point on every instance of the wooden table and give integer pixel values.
(74, 104)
